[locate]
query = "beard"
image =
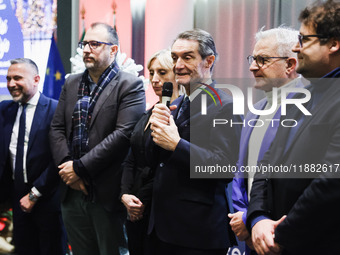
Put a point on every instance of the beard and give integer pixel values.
(18, 98)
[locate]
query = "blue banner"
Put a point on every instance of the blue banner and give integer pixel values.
(11, 41)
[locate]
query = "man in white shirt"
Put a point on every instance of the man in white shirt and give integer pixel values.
(28, 178)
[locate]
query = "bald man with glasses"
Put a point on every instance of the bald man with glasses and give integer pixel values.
(89, 136)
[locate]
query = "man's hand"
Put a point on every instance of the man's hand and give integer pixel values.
(165, 136)
(26, 205)
(164, 129)
(263, 237)
(238, 226)
(161, 113)
(67, 173)
(79, 185)
(134, 206)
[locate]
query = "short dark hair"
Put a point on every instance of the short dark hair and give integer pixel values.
(111, 32)
(206, 44)
(324, 17)
(25, 61)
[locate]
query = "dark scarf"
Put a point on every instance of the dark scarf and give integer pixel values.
(81, 118)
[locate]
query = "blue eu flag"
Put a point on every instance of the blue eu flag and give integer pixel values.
(55, 74)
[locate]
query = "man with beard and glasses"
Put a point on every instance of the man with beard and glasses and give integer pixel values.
(89, 136)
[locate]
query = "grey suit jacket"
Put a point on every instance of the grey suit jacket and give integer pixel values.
(116, 112)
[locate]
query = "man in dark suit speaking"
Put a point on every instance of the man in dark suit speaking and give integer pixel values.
(27, 173)
(90, 134)
(189, 216)
(301, 215)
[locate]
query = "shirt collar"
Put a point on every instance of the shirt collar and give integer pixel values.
(198, 90)
(34, 100)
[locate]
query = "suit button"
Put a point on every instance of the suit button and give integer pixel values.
(161, 164)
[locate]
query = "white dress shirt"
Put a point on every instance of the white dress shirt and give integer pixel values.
(30, 110)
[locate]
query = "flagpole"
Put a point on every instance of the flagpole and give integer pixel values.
(82, 12)
(114, 7)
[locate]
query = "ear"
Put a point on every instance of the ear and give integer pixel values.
(36, 80)
(290, 65)
(334, 45)
(114, 50)
(209, 61)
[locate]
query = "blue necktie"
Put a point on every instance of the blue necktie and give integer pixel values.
(19, 158)
(184, 106)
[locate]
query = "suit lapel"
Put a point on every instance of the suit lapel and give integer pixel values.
(39, 116)
(246, 132)
(181, 120)
(103, 97)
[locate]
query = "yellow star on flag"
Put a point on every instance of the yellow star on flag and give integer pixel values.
(47, 71)
(57, 76)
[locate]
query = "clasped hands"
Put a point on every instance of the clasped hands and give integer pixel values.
(135, 207)
(262, 236)
(164, 130)
(69, 176)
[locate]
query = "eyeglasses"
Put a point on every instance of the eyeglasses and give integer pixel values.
(302, 37)
(260, 61)
(93, 44)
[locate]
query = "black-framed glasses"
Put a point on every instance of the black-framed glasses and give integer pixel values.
(302, 37)
(93, 44)
(260, 61)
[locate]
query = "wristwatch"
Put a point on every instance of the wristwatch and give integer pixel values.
(32, 197)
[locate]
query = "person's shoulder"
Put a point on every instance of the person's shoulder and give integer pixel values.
(48, 100)
(73, 76)
(224, 96)
(178, 100)
(6, 103)
(122, 75)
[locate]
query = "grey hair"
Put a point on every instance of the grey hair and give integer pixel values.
(25, 61)
(286, 38)
(206, 44)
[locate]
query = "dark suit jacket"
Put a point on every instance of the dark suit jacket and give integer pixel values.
(311, 205)
(240, 182)
(116, 112)
(193, 212)
(41, 172)
(137, 179)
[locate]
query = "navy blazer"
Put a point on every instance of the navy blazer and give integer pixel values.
(41, 172)
(193, 212)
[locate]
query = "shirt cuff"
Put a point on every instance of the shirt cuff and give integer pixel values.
(244, 217)
(257, 219)
(36, 192)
